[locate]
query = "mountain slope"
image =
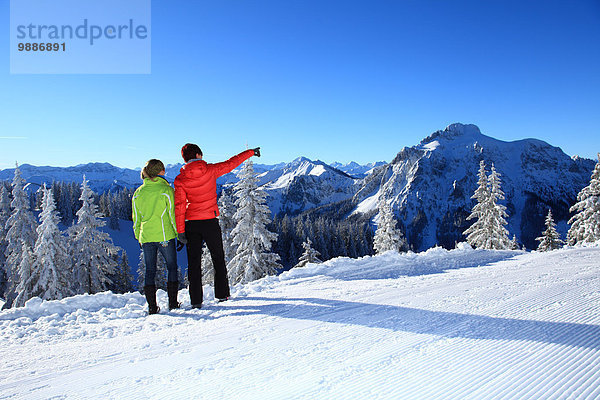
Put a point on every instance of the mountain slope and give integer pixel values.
(304, 184)
(430, 184)
(436, 325)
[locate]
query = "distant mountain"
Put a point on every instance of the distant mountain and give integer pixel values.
(356, 170)
(429, 185)
(102, 176)
(293, 187)
(304, 184)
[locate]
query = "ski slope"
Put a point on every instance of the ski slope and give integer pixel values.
(460, 324)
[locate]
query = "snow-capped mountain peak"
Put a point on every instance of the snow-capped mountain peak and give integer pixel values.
(430, 184)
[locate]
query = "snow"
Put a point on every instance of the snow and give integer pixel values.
(430, 146)
(367, 205)
(317, 171)
(468, 324)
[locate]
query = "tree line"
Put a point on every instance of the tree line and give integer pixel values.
(39, 260)
(489, 229)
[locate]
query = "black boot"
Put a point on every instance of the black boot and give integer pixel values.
(172, 289)
(150, 292)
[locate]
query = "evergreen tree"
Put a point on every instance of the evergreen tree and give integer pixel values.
(476, 233)
(121, 279)
(92, 249)
(252, 239)
(20, 230)
(4, 215)
(499, 235)
(113, 219)
(125, 274)
(226, 222)
(24, 287)
(585, 224)
(550, 239)
(310, 255)
(514, 243)
(489, 231)
(388, 236)
(51, 267)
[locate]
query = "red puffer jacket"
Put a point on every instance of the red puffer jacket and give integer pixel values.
(196, 188)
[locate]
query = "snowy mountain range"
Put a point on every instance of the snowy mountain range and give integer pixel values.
(428, 185)
(101, 176)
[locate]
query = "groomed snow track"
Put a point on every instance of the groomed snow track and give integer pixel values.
(459, 324)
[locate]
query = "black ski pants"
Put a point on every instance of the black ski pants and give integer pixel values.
(197, 232)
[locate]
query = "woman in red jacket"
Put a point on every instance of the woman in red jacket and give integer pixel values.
(196, 215)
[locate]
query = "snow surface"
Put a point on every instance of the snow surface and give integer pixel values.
(460, 324)
(430, 146)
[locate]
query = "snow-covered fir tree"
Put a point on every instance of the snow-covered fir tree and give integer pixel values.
(388, 236)
(514, 243)
(550, 239)
(488, 231)
(499, 237)
(51, 269)
(310, 255)
(20, 230)
(226, 222)
(24, 287)
(4, 214)
(91, 249)
(585, 224)
(476, 233)
(251, 238)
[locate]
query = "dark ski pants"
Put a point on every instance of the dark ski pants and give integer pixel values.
(197, 232)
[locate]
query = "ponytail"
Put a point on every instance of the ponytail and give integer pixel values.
(152, 169)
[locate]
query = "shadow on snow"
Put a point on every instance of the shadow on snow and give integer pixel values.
(440, 323)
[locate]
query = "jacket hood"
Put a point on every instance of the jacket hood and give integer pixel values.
(194, 168)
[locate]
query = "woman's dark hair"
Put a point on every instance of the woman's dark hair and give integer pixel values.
(152, 169)
(189, 151)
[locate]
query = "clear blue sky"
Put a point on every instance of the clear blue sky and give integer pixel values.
(329, 80)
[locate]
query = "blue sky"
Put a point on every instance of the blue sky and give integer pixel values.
(330, 80)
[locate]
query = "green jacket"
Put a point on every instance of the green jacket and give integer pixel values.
(153, 211)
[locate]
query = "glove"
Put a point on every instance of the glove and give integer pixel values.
(181, 237)
(257, 151)
(179, 245)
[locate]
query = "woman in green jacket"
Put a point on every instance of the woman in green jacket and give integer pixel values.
(154, 227)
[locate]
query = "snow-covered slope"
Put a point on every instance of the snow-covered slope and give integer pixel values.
(430, 184)
(460, 324)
